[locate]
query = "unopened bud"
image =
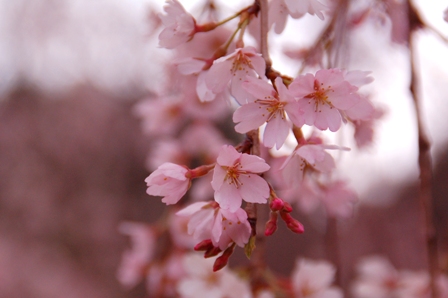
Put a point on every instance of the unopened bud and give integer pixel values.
(287, 207)
(213, 251)
(222, 261)
(271, 224)
(293, 224)
(276, 204)
(204, 245)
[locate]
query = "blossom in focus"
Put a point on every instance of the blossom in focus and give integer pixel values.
(271, 107)
(324, 97)
(235, 178)
(235, 68)
(313, 279)
(279, 10)
(208, 221)
(168, 181)
(199, 282)
(134, 261)
(179, 25)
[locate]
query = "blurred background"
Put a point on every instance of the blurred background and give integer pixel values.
(72, 155)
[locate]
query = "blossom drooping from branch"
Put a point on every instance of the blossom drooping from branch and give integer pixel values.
(279, 10)
(323, 97)
(271, 107)
(313, 279)
(169, 181)
(209, 221)
(307, 156)
(179, 25)
(235, 178)
(235, 68)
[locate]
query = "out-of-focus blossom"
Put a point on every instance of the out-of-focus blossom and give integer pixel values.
(269, 106)
(279, 10)
(179, 25)
(235, 68)
(305, 157)
(168, 181)
(160, 116)
(199, 282)
(135, 261)
(339, 199)
(313, 279)
(235, 178)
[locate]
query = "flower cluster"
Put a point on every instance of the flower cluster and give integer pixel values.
(217, 76)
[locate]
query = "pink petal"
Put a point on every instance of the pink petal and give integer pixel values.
(253, 164)
(276, 132)
(219, 75)
(218, 177)
(228, 197)
(258, 87)
(251, 116)
(254, 189)
(227, 156)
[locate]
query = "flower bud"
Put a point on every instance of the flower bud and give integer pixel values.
(222, 261)
(271, 225)
(293, 224)
(211, 252)
(287, 207)
(276, 204)
(204, 245)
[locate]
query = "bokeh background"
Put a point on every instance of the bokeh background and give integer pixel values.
(72, 155)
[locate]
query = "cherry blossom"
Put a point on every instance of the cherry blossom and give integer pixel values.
(339, 199)
(134, 261)
(279, 10)
(313, 279)
(271, 107)
(199, 282)
(179, 25)
(235, 68)
(305, 157)
(170, 181)
(323, 97)
(235, 178)
(208, 221)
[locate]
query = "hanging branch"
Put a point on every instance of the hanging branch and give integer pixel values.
(424, 157)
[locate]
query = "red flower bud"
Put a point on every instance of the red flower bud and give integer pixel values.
(204, 245)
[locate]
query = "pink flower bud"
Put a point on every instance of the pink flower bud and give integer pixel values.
(293, 224)
(271, 225)
(287, 207)
(276, 204)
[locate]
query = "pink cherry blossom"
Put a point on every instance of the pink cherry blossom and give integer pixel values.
(134, 261)
(179, 25)
(235, 178)
(169, 181)
(323, 97)
(307, 157)
(279, 10)
(199, 282)
(339, 199)
(208, 221)
(235, 68)
(313, 279)
(271, 107)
